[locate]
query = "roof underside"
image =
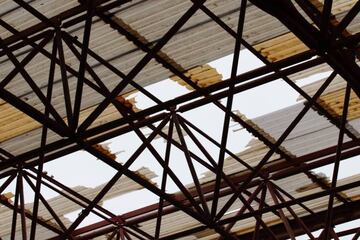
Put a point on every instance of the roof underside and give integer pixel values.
(71, 73)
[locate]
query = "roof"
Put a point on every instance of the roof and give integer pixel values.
(96, 59)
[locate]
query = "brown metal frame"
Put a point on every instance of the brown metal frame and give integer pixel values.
(327, 45)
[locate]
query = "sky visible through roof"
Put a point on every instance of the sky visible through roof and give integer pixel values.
(253, 103)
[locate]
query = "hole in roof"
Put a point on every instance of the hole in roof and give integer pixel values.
(247, 62)
(170, 90)
(86, 170)
(138, 199)
(338, 228)
(313, 78)
(90, 219)
(264, 99)
(348, 168)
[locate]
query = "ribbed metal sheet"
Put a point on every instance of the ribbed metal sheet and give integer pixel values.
(199, 41)
(63, 206)
(189, 48)
(178, 221)
(313, 133)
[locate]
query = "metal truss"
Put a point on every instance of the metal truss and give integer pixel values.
(327, 45)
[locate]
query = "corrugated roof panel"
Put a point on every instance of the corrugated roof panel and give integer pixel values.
(175, 222)
(123, 55)
(313, 132)
(190, 47)
(63, 206)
